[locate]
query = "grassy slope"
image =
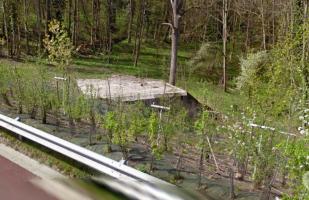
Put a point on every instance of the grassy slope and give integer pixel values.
(154, 63)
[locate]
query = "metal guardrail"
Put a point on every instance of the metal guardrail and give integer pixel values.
(149, 187)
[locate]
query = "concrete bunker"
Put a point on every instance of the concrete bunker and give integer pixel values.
(131, 89)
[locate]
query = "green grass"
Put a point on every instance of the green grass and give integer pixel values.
(153, 63)
(213, 95)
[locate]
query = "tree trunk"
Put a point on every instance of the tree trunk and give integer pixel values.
(201, 161)
(72, 125)
(224, 37)
(75, 19)
(92, 24)
(47, 19)
(263, 25)
(305, 51)
(247, 43)
(69, 17)
(33, 112)
(109, 139)
(131, 15)
(178, 164)
(6, 99)
(38, 25)
(109, 26)
(232, 193)
(93, 126)
(151, 168)
(273, 22)
(175, 37)
(5, 23)
(18, 41)
(26, 26)
(139, 34)
(44, 115)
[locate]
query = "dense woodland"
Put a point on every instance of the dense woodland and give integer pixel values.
(246, 61)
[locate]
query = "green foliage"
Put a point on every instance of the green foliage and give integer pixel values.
(123, 124)
(138, 113)
(251, 67)
(298, 161)
(306, 180)
(201, 123)
(44, 88)
(207, 62)
(241, 141)
(75, 104)
(204, 127)
(5, 78)
(154, 135)
(18, 86)
(274, 85)
(142, 167)
(32, 96)
(58, 44)
(273, 81)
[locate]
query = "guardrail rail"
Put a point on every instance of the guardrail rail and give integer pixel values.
(140, 185)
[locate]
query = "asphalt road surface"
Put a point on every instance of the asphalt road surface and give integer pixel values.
(15, 183)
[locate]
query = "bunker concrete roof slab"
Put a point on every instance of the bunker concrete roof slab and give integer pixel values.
(128, 88)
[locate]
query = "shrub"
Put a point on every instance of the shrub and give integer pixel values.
(207, 62)
(251, 66)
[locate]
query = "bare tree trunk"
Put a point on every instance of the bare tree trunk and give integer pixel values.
(69, 17)
(92, 23)
(176, 4)
(47, 19)
(6, 27)
(38, 24)
(26, 26)
(75, 19)
(305, 51)
(131, 15)
(224, 35)
(13, 42)
(6, 30)
(97, 20)
(109, 26)
(18, 40)
(304, 38)
(139, 34)
(263, 25)
(247, 34)
(273, 22)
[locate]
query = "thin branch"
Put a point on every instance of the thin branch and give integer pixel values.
(168, 24)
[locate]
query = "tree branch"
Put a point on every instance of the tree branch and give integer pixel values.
(168, 24)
